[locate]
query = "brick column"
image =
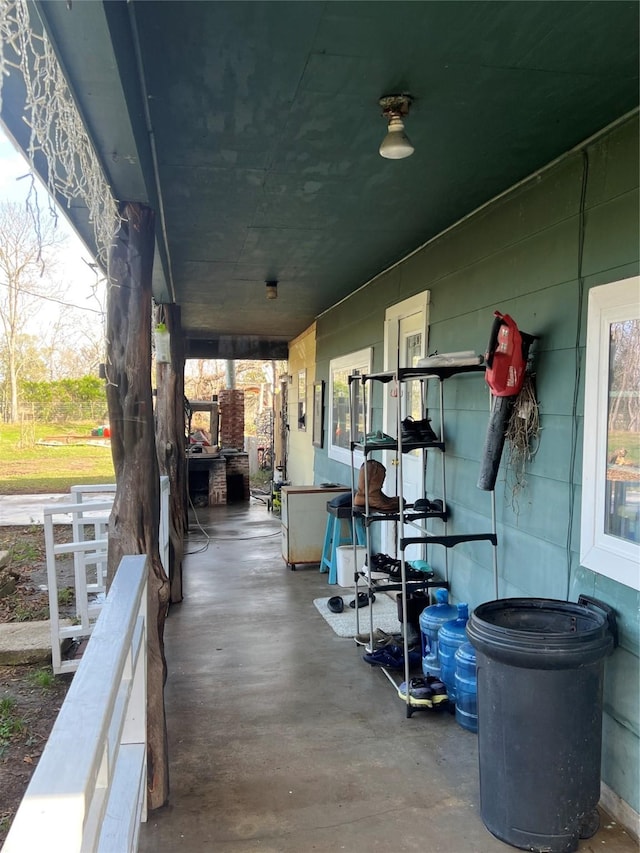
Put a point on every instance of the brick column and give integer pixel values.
(231, 403)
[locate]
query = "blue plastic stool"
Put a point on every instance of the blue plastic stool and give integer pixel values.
(338, 532)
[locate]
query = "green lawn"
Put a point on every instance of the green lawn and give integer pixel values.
(630, 441)
(28, 467)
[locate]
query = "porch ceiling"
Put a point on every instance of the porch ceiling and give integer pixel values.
(253, 129)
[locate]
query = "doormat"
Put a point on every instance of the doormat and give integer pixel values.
(385, 615)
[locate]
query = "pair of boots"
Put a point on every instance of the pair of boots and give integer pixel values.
(375, 474)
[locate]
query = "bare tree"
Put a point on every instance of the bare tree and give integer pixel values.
(26, 274)
(74, 346)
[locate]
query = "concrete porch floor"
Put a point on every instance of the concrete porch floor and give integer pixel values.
(282, 740)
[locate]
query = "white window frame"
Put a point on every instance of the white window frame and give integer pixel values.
(607, 555)
(360, 362)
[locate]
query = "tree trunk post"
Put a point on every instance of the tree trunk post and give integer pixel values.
(134, 520)
(170, 441)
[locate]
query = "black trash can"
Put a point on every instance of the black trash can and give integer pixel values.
(540, 667)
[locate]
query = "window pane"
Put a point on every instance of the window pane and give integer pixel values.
(412, 354)
(341, 421)
(623, 425)
(340, 369)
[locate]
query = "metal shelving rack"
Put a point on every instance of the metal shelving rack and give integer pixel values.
(406, 515)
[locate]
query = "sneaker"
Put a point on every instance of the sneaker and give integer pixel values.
(383, 566)
(438, 690)
(427, 434)
(390, 657)
(379, 437)
(420, 693)
(379, 638)
(378, 564)
(410, 431)
(425, 505)
(417, 432)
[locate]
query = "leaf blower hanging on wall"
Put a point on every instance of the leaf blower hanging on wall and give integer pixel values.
(506, 360)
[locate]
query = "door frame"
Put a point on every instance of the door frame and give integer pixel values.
(393, 315)
(412, 305)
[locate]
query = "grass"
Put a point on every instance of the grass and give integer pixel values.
(10, 724)
(630, 441)
(43, 678)
(23, 612)
(66, 595)
(23, 553)
(27, 467)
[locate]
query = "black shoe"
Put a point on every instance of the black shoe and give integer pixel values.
(362, 600)
(426, 433)
(425, 505)
(417, 432)
(335, 604)
(410, 431)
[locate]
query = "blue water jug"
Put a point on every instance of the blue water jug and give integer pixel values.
(450, 637)
(466, 688)
(430, 620)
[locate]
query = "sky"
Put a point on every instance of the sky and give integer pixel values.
(79, 277)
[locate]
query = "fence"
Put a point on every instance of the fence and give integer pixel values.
(88, 546)
(57, 412)
(88, 792)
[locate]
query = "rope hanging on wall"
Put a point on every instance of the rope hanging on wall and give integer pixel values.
(523, 436)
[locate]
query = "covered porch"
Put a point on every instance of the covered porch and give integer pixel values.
(282, 739)
(234, 146)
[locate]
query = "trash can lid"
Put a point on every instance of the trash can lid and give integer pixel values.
(539, 633)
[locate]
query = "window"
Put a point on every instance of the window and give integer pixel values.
(339, 404)
(610, 531)
(302, 399)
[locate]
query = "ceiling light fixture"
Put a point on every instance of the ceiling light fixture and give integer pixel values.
(396, 145)
(272, 289)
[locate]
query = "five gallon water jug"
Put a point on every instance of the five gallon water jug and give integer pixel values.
(450, 637)
(430, 620)
(466, 687)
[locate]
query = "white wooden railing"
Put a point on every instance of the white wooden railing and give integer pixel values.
(79, 493)
(88, 792)
(89, 542)
(90, 566)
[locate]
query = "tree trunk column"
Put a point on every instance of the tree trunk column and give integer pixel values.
(170, 442)
(134, 520)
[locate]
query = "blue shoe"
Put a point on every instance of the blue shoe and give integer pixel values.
(390, 657)
(420, 693)
(438, 690)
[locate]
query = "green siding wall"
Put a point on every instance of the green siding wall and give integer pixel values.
(521, 255)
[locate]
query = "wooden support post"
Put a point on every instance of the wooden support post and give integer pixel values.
(170, 442)
(134, 520)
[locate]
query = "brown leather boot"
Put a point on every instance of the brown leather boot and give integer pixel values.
(378, 501)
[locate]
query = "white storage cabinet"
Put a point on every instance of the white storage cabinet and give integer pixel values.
(304, 521)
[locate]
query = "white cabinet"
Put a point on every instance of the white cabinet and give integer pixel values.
(304, 521)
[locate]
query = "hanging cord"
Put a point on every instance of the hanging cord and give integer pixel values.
(576, 388)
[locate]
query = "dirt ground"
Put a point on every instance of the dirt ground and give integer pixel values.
(30, 696)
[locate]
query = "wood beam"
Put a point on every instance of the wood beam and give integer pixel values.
(134, 520)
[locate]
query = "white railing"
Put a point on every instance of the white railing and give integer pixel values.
(90, 566)
(89, 543)
(88, 792)
(80, 492)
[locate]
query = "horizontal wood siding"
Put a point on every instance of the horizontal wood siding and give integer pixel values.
(521, 255)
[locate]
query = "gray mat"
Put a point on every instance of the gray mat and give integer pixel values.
(385, 615)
